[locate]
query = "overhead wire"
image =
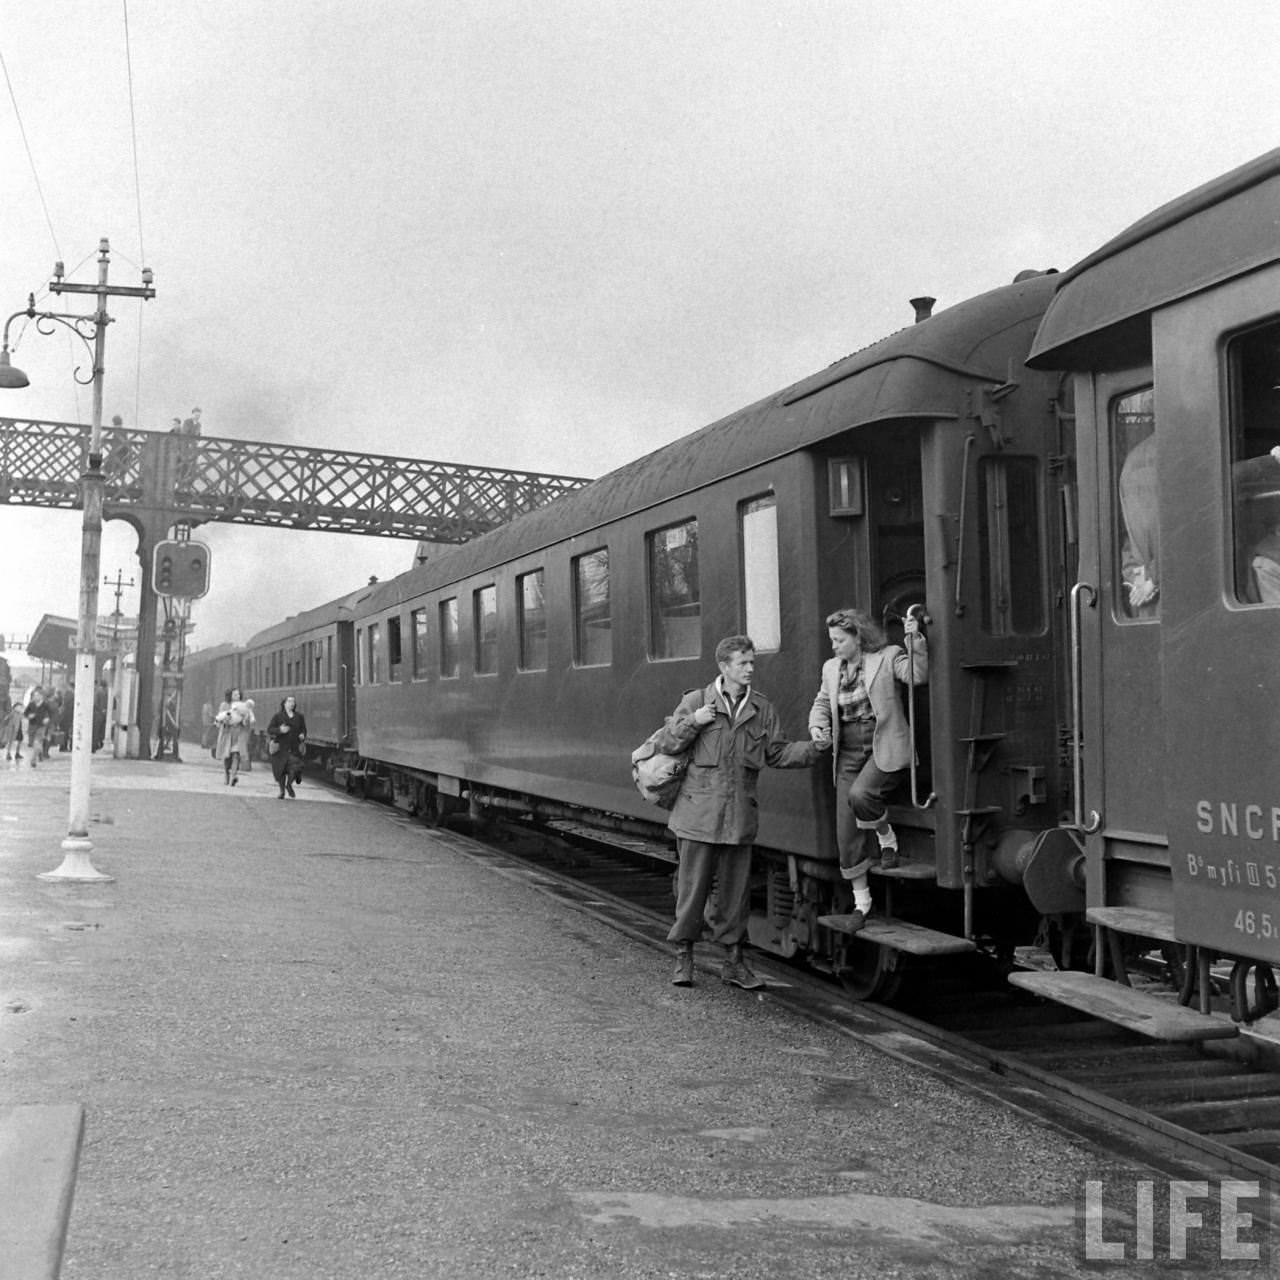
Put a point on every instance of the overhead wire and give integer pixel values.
(137, 196)
(35, 175)
(137, 186)
(44, 204)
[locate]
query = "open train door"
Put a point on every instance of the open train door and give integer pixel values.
(1217, 364)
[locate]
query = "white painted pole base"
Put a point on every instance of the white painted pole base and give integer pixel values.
(77, 864)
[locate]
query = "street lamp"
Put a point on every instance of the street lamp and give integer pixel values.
(77, 848)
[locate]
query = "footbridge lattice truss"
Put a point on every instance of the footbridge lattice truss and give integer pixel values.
(197, 479)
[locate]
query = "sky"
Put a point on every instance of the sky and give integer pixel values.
(549, 235)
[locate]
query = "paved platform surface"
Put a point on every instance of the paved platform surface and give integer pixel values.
(312, 1040)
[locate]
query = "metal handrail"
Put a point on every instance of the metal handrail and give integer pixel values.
(909, 640)
(969, 442)
(1079, 592)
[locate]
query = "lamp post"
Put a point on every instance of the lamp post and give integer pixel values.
(77, 848)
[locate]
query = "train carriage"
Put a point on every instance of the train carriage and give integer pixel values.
(1171, 333)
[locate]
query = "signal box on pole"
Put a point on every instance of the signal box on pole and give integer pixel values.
(180, 569)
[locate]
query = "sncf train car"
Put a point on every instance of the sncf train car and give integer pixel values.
(1070, 478)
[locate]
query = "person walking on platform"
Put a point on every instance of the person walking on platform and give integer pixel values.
(11, 725)
(235, 734)
(858, 714)
(287, 740)
(731, 732)
(67, 719)
(101, 701)
(38, 716)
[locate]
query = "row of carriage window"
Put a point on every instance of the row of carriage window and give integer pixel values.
(308, 663)
(1253, 503)
(431, 643)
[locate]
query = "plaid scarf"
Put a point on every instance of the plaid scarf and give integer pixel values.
(852, 698)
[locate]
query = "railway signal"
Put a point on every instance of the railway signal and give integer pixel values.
(180, 568)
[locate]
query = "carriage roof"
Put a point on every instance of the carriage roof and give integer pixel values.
(1099, 315)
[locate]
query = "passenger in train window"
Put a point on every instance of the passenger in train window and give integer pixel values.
(287, 739)
(858, 714)
(1257, 483)
(731, 732)
(1140, 554)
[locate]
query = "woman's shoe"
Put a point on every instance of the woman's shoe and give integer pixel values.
(289, 788)
(235, 780)
(888, 849)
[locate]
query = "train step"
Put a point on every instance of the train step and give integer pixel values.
(908, 871)
(1148, 1015)
(1135, 920)
(914, 939)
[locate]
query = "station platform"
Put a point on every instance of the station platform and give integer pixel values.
(311, 1039)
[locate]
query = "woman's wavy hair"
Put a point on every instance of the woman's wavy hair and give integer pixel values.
(857, 622)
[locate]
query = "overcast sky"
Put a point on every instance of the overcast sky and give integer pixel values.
(551, 235)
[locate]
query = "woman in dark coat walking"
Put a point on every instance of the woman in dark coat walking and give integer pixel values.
(287, 734)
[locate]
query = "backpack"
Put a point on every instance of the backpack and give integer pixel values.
(657, 775)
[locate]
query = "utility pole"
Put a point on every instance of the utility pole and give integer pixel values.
(77, 863)
(118, 696)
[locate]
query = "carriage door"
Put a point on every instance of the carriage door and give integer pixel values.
(1217, 355)
(1119, 607)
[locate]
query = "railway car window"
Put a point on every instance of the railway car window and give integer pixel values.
(418, 624)
(531, 612)
(1009, 540)
(1137, 538)
(374, 635)
(1253, 370)
(394, 653)
(761, 590)
(485, 619)
(675, 601)
(449, 637)
(593, 620)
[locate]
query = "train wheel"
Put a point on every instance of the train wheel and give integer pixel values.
(871, 972)
(1254, 999)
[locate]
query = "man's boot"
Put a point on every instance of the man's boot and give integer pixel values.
(738, 971)
(683, 976)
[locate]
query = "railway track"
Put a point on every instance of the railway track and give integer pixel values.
(1185, 1110)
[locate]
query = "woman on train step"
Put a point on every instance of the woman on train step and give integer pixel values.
(857, 711)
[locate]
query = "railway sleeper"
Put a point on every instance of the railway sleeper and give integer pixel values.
(1126, 1074)
(1223, 1117)
(1201, 1087)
